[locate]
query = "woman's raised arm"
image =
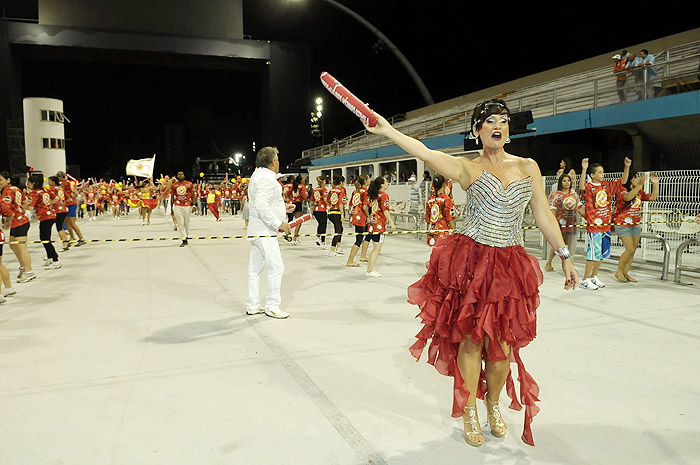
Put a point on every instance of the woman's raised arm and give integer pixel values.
(447, 165)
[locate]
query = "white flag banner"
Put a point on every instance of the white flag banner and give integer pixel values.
(142, 168)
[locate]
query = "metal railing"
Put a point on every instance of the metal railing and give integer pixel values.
(666, 222)
(679, 260)
(676, 71)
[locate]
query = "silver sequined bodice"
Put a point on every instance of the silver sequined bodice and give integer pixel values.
(494, 214)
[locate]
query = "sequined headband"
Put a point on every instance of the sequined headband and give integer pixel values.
(479, 119)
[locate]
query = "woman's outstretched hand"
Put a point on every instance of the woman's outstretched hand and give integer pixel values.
(572, 278)
(382, 128)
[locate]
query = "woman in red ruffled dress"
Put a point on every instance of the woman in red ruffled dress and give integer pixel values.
(479, 297)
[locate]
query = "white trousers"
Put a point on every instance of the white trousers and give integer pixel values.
(265, 252)
(182, 215)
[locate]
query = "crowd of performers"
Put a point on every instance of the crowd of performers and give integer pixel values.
(367, 209)
(53, 202)
(116, 199)
(58, 201)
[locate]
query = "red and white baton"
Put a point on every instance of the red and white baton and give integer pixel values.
(347, 98)
(300, 220)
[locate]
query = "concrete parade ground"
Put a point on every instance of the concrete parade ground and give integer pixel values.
(141, 353)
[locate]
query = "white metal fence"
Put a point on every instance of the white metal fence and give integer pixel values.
(672, 216)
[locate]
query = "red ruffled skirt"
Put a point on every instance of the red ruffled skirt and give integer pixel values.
(475, 290)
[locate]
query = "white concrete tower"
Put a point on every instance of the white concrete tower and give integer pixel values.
(44, 135)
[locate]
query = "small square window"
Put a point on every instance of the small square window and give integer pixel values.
(45, 143)
(44, 115)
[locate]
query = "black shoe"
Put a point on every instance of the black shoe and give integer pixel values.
(184, 243)
(80, 242)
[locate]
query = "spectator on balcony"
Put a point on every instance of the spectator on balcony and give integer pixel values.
(634, 65)
(649, 61)
(620, 75)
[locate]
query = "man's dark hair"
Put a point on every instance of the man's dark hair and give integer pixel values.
(645, 51)
(53, 179)
(592, 167)
(36, 179)
(265, 157)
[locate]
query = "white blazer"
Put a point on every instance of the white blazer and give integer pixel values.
(267, 210)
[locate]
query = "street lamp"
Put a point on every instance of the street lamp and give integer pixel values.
(390, 45)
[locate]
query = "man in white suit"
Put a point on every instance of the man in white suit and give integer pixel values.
(267, 217)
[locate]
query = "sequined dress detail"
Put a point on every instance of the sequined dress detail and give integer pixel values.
(494, 214)
(480, 283)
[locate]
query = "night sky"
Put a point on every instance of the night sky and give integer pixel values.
(455, 47)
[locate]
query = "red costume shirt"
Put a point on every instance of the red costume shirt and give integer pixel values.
(565, 206)
(378, 208)
(182, 193)
(439, 211)
(319, 199)
(630, 213)
(60, 205)
(358, 199)
(90, 197)
(68, 192)
(598, 201)
(287, 191)
(40, 201)
(12, 201)
(299, 195)
(335, 199)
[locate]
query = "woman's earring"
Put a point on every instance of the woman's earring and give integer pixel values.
(508, 140)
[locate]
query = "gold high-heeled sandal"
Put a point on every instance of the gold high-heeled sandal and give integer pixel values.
(495, 420)
(472, 429)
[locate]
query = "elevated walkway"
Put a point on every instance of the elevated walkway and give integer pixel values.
(686, 105)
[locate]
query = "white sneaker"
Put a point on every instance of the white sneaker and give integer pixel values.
(53, 266)
(339, 251)
(47, 261)
(372, 274)
(2, 300)
(277, 313)
(332, 254)
(8, 291)
(597, 282)
(296, 243)
(28, 276)
(255, 311)
(588, 284)
(21, 273)
(324, 246)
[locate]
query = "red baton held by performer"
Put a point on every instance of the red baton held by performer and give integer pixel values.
(348, 99)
